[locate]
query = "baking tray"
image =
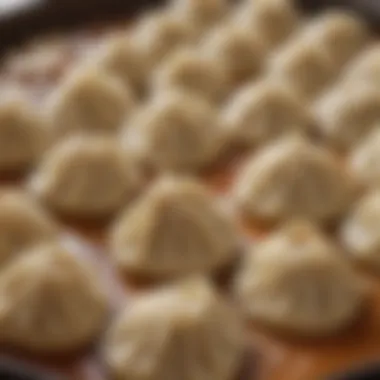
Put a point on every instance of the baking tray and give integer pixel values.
(269, 358)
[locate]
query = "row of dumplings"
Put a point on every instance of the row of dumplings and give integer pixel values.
(294, 280)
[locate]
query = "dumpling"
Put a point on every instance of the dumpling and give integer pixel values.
(364, 161)
(121, 56)
(24, 132)
(86, 177)
(360, 232)
(347, 114)
(273, 20)
(366, 67)
(264, 111)
(241, 54)
(342, 34)
(304, 66)
(176, 132)
(90, 101)
(50, 301)
(176, 228)
(293, 178)
(23, 224)
(201, 14)
(160, 33)
(188, 70)
(295, 281)
(184, 331)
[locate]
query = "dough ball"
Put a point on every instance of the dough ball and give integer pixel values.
(201, 14)
(264, 111)
(189, 70)
(273, 20)
(305, 67)
(347, 114)
(366, 67)
(296, 282)
(241, 54)
(185, 331)
(176, 132)
(50, 301)
(121, 56)
(342, 34)
(90, 101)
(160, 33)
(86, 176)
(364, 161)
(23, 224)
(360, 232)
(293, 178)
(24, 132)
(175, 229)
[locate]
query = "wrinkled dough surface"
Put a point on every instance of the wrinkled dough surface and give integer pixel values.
(90, 101)
(181, 332)
(241, 54)
(296, 282)
(265, 111)
(160, 34)
(23, 224)
(343, 35)
(347, 114)
(175, 229)
(304, 66)
(24, 133)
(201, 14)
(176, 132)
(293, 178)
(364, 160)
(191, 71)
(359, 232)
(50, 301)
(273, 20)
(86, 176)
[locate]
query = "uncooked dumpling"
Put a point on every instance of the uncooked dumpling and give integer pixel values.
(122, 57)
(24, 132)
(86, 176)
(23, 224)
(273, 20)
(189, 70)
(90, 101)
(201, 14)
(364, 161)
(175, 229)
(305, 67)
(360, 232)
(176, 131)
(293, 178)
(241, 54)
(347, 114)
(295, 281)
(185, 331)
(366, 67)
(160, 33)
(50, 301)
(342, 34)
(264, 111)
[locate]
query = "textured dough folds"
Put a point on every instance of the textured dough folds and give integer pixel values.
(86, 176)
(175, 229)
(295, 281)
(294, 178)
(185, 331)
(176, 132)
(50, 301)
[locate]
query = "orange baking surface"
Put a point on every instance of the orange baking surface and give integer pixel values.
(270, 357)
